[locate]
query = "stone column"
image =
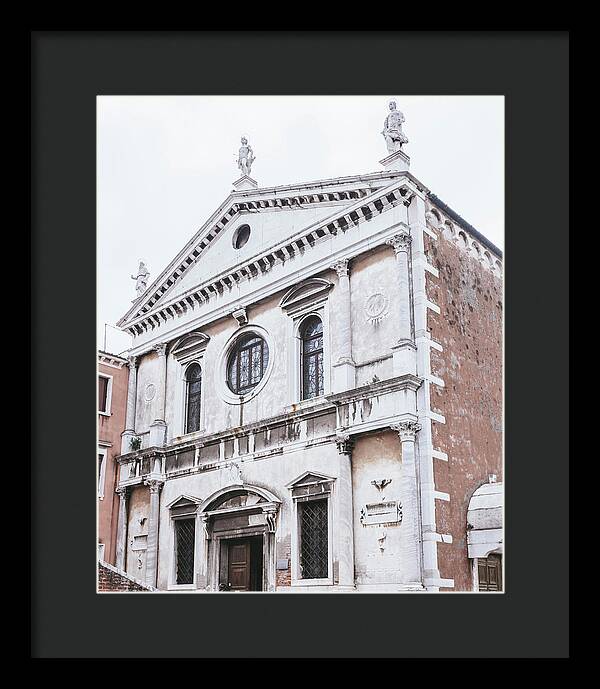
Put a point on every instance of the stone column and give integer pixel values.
(344, 524)
(409, 492)
(158, 427)
(122, 528)
(405, 348)
(344, 377)
(204, 538)
(153, 522)
(129, 431)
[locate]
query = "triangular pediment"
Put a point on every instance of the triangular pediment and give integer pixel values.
(309, 478)
(273, 215)
(184, 501)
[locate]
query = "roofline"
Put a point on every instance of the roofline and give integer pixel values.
(463, 223)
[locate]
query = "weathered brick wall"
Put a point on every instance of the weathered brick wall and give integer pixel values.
(111, 579)
(469, 328)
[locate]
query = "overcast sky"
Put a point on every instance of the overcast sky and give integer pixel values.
(165, 163)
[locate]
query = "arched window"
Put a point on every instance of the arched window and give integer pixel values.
(312, 357)
(193, 377)
(247, 363)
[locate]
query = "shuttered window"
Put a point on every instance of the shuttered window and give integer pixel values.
(489, 570)
(102, 394)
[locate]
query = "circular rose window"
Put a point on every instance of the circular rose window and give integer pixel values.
(241, 236)
(247, 363)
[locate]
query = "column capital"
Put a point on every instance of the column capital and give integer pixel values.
(341, 267)
(400, 242)
(407, 430)
(160, 348)
(132, 362)
(154, 484)
(344, 444)
(122, 492)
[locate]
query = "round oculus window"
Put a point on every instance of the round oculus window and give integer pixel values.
(247, 363)
(241, 236)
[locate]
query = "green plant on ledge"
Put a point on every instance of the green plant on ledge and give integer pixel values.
(135, 443)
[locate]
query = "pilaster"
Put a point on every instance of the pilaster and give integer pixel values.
(344, 368)
(345, 513)
(409, 491)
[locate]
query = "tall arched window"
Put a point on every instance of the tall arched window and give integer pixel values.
(193, 377)
(312, 357)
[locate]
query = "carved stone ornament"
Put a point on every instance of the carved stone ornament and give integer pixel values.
(149, 392)
(400, 242)
(407, 430)
(132, 362)
(377, 307)
(154, 485)
(344, 444)
(341, 267)
(380, 485)
(271, 518)
(161, 348)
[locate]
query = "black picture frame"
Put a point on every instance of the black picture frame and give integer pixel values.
(68, 70)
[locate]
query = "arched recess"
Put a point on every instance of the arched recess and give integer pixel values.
(485, 535)
(239, 526)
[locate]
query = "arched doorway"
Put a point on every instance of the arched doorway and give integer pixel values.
(239, 528)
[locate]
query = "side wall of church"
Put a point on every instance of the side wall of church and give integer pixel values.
(469, 328)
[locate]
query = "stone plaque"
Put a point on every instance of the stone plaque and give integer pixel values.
(139, 543)
(385, 513)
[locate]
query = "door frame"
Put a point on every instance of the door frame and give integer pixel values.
(216, 566)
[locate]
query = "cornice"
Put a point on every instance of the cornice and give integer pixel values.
(343, 220)
(405, 382)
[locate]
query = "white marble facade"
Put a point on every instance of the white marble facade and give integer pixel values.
(349, 251)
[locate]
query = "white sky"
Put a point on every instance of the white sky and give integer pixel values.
(165, 163)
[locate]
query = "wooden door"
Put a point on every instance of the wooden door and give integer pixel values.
(239, 566)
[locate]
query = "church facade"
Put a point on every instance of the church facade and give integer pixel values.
(315, 396)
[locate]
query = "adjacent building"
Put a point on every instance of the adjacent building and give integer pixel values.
(113, 373)
(314, 400)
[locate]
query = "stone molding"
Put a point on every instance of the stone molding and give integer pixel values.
(373, 204)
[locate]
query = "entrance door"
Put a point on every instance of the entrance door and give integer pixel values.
(239, 566)
(244, 564)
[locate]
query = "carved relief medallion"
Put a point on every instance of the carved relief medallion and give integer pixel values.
(377, 307)
(149, 392)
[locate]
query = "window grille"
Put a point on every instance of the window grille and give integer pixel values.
(312, 358)
(314, 552)
(193, 377)
(247, 363)
(185, 530)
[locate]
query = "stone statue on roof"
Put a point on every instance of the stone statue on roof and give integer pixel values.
(392, 129)
(141, 279)
(246, 157)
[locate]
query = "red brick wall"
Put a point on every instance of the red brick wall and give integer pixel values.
(469, 328)
(111, 580)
